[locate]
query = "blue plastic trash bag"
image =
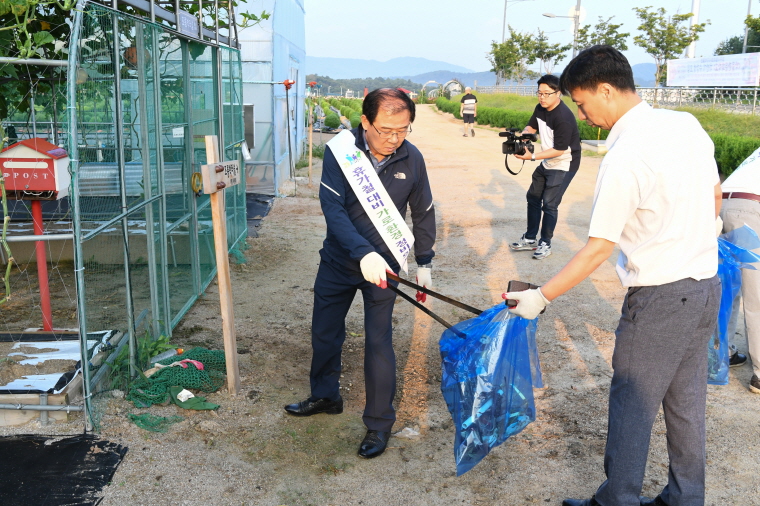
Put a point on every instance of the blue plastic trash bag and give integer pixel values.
(490, 366)
(733, 255)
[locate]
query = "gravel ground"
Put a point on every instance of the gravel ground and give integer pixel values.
(250, 452)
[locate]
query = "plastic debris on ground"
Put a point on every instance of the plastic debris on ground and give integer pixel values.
(734, 254)
(191, 402)
(407, 433)
(199, 369)
(490, 367)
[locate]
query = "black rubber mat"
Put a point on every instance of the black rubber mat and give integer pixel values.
(51, 471)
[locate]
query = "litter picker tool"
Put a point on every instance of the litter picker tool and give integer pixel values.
(437, 295)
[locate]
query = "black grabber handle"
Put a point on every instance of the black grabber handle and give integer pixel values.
(430, 292)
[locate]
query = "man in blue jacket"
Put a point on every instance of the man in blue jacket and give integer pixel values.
(355, 256)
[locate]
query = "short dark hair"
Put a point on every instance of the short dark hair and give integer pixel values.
(597, 65)
(550, 80)
(392, 99)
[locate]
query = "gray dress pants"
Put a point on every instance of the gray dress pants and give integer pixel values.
(660, 358)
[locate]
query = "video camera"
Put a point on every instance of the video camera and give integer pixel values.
(516, 144)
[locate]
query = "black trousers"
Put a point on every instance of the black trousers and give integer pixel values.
(334, 291)
(544, 196)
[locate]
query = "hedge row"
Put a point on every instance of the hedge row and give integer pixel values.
(730, 150)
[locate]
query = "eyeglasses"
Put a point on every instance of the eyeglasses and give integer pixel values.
(388, 135)
(546, 95)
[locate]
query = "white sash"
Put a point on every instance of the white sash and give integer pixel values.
(373, 196)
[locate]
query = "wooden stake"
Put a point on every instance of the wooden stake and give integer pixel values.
(218, 217)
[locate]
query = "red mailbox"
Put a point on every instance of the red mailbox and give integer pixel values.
(35, 169)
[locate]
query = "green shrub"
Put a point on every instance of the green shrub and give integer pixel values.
(332, 120)
(356, 119)
(732, 150)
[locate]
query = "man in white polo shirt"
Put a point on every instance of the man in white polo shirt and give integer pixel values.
(741, 205)
(658, 201)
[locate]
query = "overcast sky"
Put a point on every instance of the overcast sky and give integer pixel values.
(460, 32)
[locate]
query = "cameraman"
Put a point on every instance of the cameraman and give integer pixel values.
(561, 155)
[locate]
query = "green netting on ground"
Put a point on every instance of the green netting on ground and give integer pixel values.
(154, 423)
(144, 392)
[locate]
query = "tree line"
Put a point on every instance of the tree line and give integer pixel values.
(662, 36)
(358, 84)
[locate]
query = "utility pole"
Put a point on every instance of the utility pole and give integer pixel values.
(504, 24)
(694, 20)
(746, 28)
(575, 28)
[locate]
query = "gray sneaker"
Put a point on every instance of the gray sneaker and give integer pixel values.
(524, 244)
(754, 384)
(542, 251)
(472, 131)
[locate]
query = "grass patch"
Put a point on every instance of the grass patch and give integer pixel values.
(715, 121)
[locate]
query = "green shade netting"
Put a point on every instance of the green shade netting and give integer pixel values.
(154, 423)
(144, 392)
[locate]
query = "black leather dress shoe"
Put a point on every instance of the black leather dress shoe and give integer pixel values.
(657, 501)
(580, 502)
(312, 407)
(374, 444)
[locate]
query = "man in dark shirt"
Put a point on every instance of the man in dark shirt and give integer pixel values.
(561, 157)
(356, 256)
(469, 110)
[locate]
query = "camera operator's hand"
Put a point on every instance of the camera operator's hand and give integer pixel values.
(524, 156)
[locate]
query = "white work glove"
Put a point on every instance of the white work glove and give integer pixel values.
(424, 278)
(718, 226)
(373, 268)
(529, 303)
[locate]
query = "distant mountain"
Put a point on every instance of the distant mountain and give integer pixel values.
(466, 78)
(643, 74)
(349, 68)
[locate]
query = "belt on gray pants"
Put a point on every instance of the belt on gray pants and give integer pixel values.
(741, 195)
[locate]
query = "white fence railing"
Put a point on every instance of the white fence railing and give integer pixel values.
(739, 100)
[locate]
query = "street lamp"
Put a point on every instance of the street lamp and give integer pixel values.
(576, 21)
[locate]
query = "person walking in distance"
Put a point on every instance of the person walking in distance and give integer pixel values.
(468, 109)
(560, 157)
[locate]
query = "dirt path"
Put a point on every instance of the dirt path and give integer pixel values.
(250, 452)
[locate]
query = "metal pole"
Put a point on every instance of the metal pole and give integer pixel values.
(693, 21)
(161, 171)
(120, 160)
(187, 90)
(33, 61)
(42, 407)
(754, 101)
(76, 218)
(504, 24)
(216, 20)
(200, 19)
(746, 28)
(575, 28)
